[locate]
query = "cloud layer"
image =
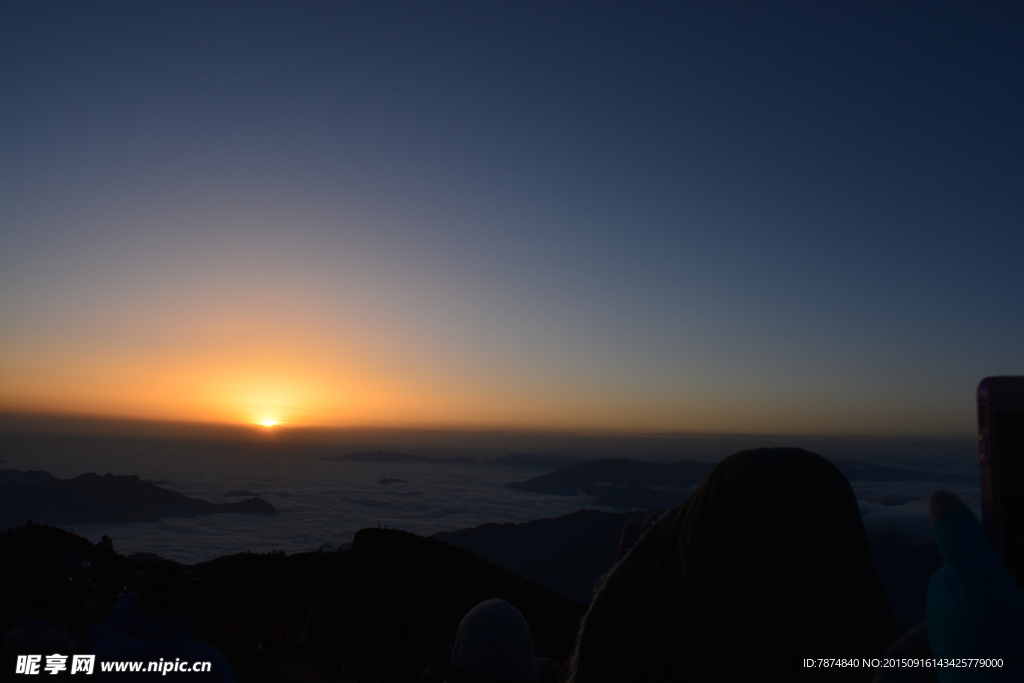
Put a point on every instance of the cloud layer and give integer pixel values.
(325, 503)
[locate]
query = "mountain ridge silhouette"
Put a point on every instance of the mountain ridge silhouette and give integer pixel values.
(92, 498)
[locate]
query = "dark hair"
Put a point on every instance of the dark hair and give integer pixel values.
(164, 590)
(768, 557)
(42, 604)
(457, 675)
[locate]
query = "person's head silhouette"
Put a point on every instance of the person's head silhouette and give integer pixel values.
(164, 591)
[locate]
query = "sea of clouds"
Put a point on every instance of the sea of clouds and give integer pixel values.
(323, 503)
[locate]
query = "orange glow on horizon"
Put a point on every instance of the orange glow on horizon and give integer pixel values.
(283, 383)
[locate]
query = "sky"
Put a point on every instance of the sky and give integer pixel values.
(727, 217)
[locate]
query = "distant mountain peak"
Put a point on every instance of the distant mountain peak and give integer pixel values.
(622, 483)
(91, 497)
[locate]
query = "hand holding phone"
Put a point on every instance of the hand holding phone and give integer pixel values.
(1001, 443)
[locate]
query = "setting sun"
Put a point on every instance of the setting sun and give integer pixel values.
(269, 423)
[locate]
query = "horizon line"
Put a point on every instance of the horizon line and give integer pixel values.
(256, 428)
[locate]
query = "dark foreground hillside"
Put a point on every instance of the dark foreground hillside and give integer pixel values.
(392, 602)
(567, 554)
(570, 553)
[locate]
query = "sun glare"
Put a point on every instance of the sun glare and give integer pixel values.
(269, 423)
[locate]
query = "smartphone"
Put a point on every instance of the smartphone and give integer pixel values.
(1001, 444)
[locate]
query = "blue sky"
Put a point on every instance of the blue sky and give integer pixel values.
(752, 217)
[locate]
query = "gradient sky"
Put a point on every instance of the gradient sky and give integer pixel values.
(796, 217)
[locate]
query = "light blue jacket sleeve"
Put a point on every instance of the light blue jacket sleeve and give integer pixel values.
(975, 609)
